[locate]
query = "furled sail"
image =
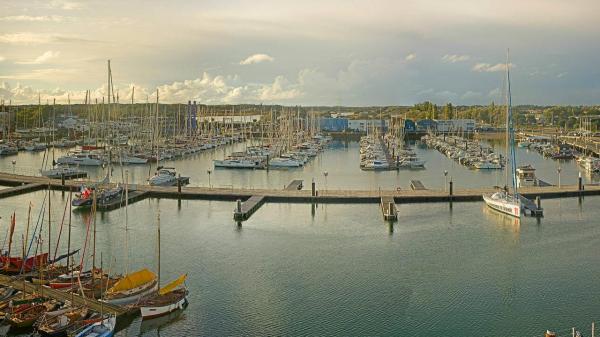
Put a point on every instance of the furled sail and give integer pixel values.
(173, 285)
(133, 280)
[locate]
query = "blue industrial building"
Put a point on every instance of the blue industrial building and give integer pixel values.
(409, 125)
(426, 124)
(334, 124)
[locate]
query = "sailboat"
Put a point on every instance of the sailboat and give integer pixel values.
(504, 201)
(132, 287)
(171, 298)
(18, 264)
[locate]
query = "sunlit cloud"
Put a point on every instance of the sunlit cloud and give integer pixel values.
(29, 18)
(454, 58)
(257, 58)
(488, 68)
(410, 57)
(65, 4)
(44, 58)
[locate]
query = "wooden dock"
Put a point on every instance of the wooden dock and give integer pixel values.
(61, 296)
(304, 196)
(294, 185)
(245, 209)
(12, 191)
(388, 208)
(417, 185)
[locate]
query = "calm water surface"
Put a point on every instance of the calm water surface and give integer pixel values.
(340, 161)
(342, 271)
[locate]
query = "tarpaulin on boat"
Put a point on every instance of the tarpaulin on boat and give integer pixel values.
(133, 280)
(173, 285)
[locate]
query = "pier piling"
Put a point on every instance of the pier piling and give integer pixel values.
(179, 184)
(62, 179)
(538, 201)
(314, 191)
(580, 183)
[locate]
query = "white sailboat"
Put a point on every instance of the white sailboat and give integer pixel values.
(504, 201)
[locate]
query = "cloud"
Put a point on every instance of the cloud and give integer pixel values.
(488, 68)
(28, 18)
(471, 95)
(65, 4)
(454, 58)
(257, 58)
(42, 74)
(561, 75)
(2, 58)
(28, 38)
(410, 57)
(44, 58)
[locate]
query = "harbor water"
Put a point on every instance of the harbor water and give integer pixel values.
(340, 270)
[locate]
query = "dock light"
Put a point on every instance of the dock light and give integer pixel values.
(445, 179)
(558, 170)
(325, 174)
(14, 162)
(209, 171)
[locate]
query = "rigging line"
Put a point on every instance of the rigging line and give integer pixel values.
(34, 231)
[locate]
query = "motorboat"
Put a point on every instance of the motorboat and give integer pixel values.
(164, 176)
(82, 159)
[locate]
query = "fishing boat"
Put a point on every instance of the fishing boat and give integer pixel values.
(132, 288)
(164, 176)
(105, 328)
(504, 201)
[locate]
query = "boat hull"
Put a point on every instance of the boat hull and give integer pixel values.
(152, 312)
(503, 206)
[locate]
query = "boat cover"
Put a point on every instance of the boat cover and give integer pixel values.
(173, 285)
(133, 280)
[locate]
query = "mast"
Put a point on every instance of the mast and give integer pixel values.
(49, 225)
(158, 221)
(126, 219)
(510, 127)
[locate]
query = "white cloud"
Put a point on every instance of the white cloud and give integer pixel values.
(65, 4)
(2, 58)
(257, 58)
(561, 75)
(488, 68)
(29, 18)
(454, 58)
(471, 95)
(44, 58)
(410, 57)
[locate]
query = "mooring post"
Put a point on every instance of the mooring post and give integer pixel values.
(538, 201)
(267, 163)
(62, 179)
(593, 329)
(179, 183)
(580, 183)
(314, 191)
(451, 188)
(239, 206)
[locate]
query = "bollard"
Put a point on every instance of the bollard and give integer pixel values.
(62, 179)
(267, 163)
(179, 184)
(580, 183)
(451, 188)
(314, 191)
(538, 201)
(239, 206)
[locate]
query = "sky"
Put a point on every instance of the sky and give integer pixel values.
(310, 52)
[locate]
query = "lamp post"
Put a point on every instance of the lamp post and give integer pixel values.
(558, 170)
(445, 179)
(14, 163)
(209, 171)
(325, 174)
